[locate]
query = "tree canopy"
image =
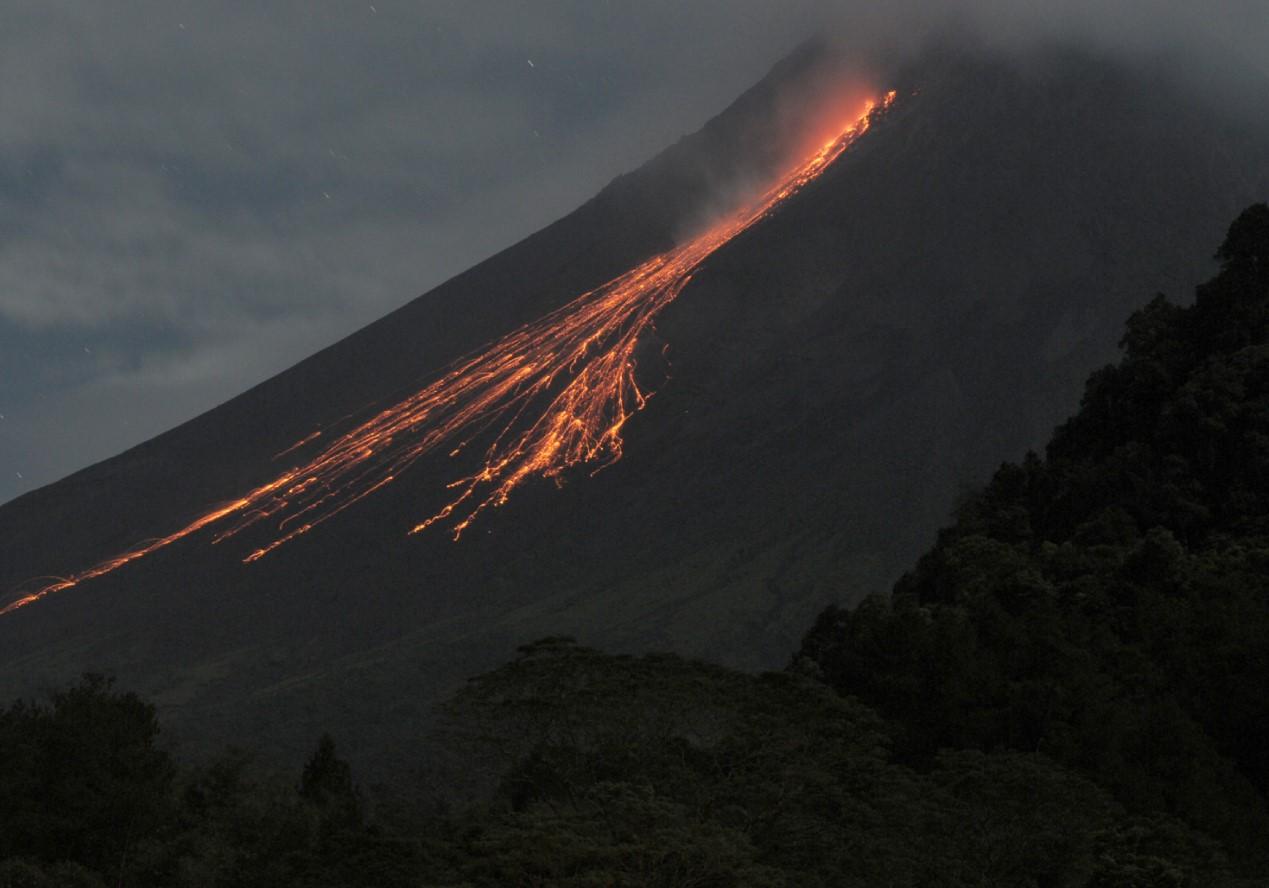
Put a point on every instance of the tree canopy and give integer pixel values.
(1107, 604)
(1069, 689)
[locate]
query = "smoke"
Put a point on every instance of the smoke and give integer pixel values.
(1218, 52)
(194, 196)
(1210, 33)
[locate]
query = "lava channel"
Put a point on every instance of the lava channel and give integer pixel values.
(553, 394)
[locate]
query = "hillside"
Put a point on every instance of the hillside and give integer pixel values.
(1065, 691)
(1107, 603)
(837, 376)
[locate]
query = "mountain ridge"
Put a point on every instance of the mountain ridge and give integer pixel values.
(928, 308)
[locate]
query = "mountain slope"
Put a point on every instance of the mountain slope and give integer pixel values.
(837, 374)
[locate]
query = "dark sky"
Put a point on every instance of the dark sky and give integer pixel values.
(195, 195)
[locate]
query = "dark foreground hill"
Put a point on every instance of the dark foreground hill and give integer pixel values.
(838, 375)
(1066, 691)
(1108, 604)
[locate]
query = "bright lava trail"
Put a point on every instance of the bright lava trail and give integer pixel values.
(553, 394)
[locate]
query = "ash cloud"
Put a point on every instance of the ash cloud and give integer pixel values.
(194, 196)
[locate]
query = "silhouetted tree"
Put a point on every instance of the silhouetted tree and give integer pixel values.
(83, 780)
(327, 784)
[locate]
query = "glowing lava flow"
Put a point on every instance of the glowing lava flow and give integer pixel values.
(553, 394)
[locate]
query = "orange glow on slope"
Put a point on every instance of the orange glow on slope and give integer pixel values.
(553, 394)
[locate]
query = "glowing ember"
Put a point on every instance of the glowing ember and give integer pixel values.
(552, 395)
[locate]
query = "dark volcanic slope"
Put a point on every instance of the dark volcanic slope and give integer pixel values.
(927, 308)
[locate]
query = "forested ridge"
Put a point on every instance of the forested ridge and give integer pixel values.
(1069, 689)
(1108, 604)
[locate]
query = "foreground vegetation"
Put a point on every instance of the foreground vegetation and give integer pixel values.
(1068, 690)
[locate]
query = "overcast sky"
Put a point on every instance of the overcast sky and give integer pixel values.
(195, 195)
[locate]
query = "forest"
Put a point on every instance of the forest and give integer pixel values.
(1068, 689)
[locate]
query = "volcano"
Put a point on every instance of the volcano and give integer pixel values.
(744, 381)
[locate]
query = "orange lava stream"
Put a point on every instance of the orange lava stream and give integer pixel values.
(555, 393)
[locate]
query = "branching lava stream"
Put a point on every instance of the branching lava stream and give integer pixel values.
(553, 394)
